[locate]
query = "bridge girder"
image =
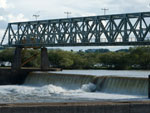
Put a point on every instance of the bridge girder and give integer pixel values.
(108, 30)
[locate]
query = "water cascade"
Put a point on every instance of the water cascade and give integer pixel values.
(108, 84)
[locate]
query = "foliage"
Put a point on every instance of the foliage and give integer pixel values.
(27, 54)
(7, 54)
(134, 58)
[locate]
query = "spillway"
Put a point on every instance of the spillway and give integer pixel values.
(106, 84)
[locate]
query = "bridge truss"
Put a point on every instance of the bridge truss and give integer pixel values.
(107, 30)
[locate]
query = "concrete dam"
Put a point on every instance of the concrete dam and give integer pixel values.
(108, 84)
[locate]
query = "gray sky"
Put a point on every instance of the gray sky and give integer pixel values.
(23, 10)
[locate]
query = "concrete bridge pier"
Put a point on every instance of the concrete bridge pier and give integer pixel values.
(44, 59)
(16, 64)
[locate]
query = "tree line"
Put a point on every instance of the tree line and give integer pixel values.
(133, 58)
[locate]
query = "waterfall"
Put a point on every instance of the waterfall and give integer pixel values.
(107, 84)
(66, 80)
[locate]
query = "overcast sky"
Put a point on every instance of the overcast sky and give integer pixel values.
(23, 10)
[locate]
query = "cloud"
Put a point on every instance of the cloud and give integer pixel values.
(50, 9)
(16, 18)
(3, 24)
(2, 18)
(5, 5)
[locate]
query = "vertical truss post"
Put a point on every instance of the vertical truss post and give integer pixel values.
(71, 32)
(111, 29)
(140, 28)
(18, 35)
(9, 36)
(125, 38)
(97, 40)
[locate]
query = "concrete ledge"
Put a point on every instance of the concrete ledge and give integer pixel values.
(80, 107)
(8, 76)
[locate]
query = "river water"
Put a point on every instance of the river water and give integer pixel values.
(103, 85)
(127, 73)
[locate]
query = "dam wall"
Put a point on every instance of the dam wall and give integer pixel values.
(107, 84)
(10, 77)
(85, 107)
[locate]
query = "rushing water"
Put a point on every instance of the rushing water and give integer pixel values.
(103, 85)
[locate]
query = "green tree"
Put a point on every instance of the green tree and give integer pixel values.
(7, 54)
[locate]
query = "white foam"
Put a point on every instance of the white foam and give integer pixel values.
(88, 87)
(15, 93)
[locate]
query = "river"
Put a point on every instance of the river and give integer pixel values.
(109, 85)
(128, 73)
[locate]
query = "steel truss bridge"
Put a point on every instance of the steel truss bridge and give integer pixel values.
(107, 30)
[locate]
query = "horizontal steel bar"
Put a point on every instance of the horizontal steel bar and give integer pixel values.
(85, 44)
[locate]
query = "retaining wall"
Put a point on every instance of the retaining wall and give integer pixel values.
(101, 107)
(9, 76)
